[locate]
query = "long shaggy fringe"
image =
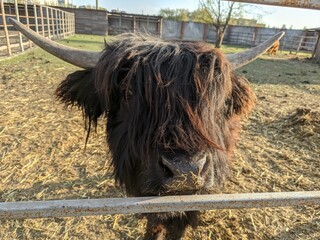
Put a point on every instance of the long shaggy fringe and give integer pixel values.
(158, 97)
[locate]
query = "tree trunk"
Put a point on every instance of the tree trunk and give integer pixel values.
(219, 37)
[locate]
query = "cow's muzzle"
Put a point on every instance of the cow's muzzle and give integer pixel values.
(187, 174)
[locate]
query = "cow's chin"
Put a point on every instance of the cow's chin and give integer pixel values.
(170, 225)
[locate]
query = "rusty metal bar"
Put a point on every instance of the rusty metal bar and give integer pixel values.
(85, 207)
(310, 4)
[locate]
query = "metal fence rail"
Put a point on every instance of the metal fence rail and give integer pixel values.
(50, 22)
(86, 207)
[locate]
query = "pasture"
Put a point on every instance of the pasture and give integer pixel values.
(42, 153)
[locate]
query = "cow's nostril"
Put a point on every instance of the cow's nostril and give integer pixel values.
(166, 170)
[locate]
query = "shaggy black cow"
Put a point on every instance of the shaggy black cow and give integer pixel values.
(173, 113)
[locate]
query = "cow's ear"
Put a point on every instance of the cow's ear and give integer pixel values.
(78, 89)
(241, 98)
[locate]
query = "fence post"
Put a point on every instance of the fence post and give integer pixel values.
(18, 19)
(36, 17)
(67, 24)
(74, 24)
(52, 22)
(316, 51)
(160, 27)
(205, 32)
(120, 23)
(27, 19)
(182, 30)
(57, 23)
(60, 24)
(134, 24)
(48, 22)
(63, 25)
(5, 28)
(42, 21)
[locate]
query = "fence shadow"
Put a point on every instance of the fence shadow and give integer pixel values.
(83, 187)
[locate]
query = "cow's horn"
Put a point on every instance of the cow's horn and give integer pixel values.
(77, 57)
(240, 59)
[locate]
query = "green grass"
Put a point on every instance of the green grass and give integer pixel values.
(90, 42)
(81, 41)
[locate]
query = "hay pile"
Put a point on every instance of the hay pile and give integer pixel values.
(304, 122)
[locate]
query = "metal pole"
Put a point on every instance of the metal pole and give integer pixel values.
(85, 207)
(311, 4)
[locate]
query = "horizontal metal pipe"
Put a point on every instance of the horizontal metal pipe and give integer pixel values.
(86, 207)
(310, 4)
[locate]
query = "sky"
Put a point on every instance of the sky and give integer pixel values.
(273, 17)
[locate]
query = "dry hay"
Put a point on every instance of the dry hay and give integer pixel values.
(42, 155)
(303, 123)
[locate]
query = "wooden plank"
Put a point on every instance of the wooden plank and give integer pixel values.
(5, 28)
(36, 17)
(27, 19)
(18, 18)
(57, 23)
(85, 207)
(14, 45)
(60, 24)
(134, 25)
(52, 23)
(309, 4)
(48, 22)
(42, 20)
(63, 24)
(74, 24)
(316, 51)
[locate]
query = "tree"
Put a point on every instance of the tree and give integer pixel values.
(219, 14)
(200, 15)
(178, 14)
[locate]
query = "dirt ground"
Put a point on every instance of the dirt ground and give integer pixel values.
(42, 153)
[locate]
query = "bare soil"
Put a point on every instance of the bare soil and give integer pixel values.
(42, 153)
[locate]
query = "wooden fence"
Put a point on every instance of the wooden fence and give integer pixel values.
(295, 44)
(50, 22)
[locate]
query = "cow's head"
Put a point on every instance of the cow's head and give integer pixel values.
(173, 109)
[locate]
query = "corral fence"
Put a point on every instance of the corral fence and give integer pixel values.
(293, 41)
(50, 22)
(87, 207)
(101, 22)
(305, 43)
(123, 23)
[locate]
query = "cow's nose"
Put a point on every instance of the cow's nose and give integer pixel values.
(184, 173)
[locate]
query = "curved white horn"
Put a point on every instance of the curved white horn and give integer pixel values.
(240, 59)
(81, 58)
